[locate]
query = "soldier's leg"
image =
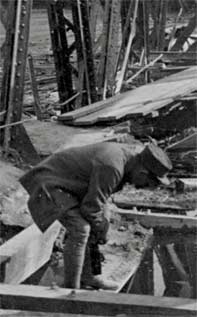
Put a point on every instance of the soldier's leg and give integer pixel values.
(75, 245)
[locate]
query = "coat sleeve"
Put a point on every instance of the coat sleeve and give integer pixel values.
(103, 182)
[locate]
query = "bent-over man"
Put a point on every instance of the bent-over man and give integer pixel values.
(73, 186)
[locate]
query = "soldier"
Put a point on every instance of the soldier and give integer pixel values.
(73, 186)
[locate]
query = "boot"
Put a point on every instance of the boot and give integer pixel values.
(89, 280)
(98, 282)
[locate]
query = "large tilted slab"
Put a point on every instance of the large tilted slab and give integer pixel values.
(36, 298)
(26, 252)
(138, 102)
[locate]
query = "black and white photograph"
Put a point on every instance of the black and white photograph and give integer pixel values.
(98, 158)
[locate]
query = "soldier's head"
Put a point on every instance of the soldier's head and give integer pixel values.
(153, 168)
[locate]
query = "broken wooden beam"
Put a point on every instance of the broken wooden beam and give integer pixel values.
(160, 220)
(128, 49)
(27, 252)
(128, 204)
(37, 298)
(32, 76)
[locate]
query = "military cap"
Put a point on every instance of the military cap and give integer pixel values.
(156, 161)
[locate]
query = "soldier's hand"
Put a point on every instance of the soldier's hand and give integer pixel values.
(102, 235)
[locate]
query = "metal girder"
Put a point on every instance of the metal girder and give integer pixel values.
(80, 26)
(17, 35)
(57, 24)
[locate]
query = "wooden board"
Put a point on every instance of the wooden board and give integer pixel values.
(60, 300)
(160, 220)
(28, 251)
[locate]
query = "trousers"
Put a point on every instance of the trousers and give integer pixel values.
(75, 249)
(48, 204)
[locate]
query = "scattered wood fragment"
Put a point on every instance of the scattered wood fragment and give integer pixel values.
(186, 33)
(186, 184)
(143, 69)
(127, 204)
(28, 251)
(187, 143)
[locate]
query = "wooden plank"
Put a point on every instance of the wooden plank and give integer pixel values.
(99, 105)
(187, 143)
(126, 268)
(157, 91)
(173, 55)
(189, 73)
(36, 105)
(28, 251)
(13, 70)
(112, 49)
(173, 31)
(160, 220)
(131, 101)
(60, 55)
(101, 69)
(186, 33)
(143, 69)
(162, 24)
(94, 12)
(142, 282)
(127, 204)
(155, 13)
(61, 300)
(87, 50)
(126, 13)
(145, 5)
(128, 49)
(25, 313)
